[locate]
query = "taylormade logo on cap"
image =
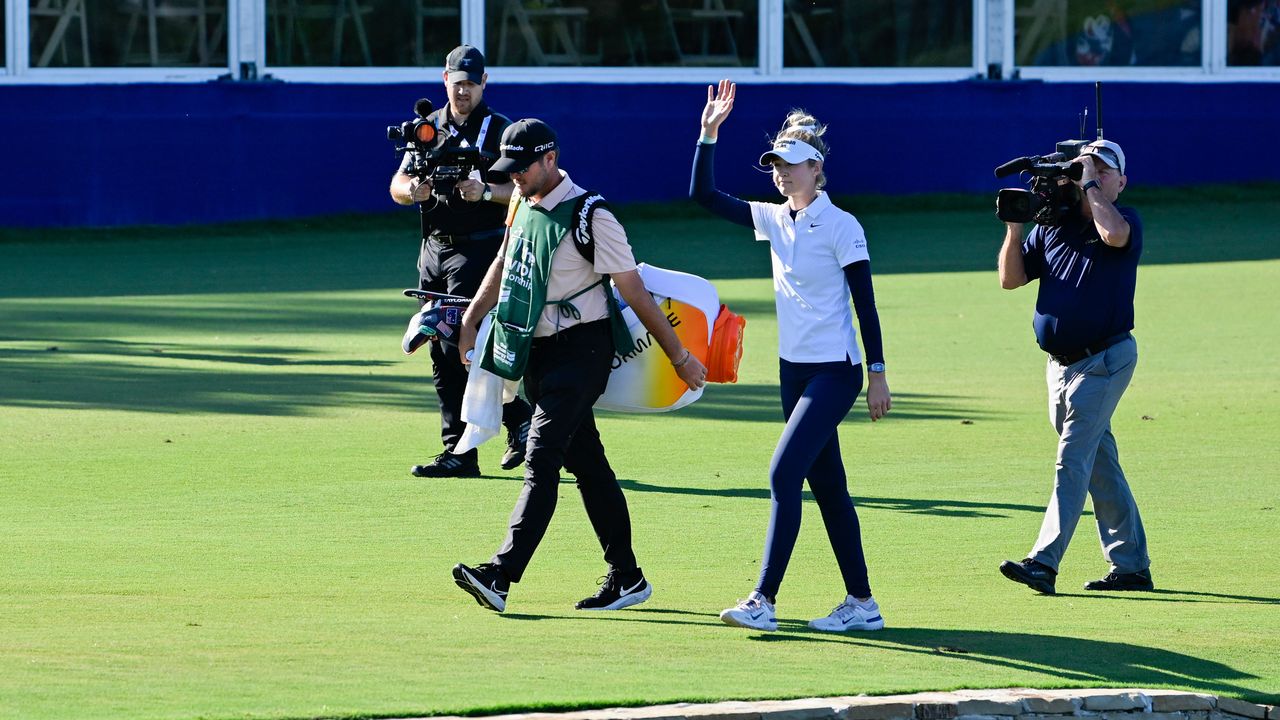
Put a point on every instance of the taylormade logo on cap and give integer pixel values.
(523, 142)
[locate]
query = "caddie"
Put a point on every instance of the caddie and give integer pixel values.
(553, 329)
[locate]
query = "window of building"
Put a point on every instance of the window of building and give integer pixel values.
(877, 33)
(855, 41)
(1253, 33)
(622, 33)
(361, 33)
(1108, 33)
(127, 33)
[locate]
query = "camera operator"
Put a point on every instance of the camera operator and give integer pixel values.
(1087, 267)
(461, 233)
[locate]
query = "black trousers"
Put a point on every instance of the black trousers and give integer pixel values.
(458, 270)
(567, 372)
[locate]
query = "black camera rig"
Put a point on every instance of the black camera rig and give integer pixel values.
(1052, 194)
(444, 165)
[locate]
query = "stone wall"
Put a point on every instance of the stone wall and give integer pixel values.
(1014, 704)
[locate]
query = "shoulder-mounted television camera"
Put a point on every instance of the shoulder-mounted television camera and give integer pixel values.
(1052, 193)
(443, 164)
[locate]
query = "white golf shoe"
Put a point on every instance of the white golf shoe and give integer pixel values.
(851, 615)
(755, 612)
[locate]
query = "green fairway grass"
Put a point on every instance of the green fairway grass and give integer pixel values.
(205, 436)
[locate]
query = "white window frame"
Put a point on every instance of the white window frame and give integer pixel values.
(1218, 60)
(992, 45)
(10, 52)
(1212, 67)
(768, 68)
(472, 18)
(876, 75)
(18, 68)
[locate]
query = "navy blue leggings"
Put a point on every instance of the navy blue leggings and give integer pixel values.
(815, 398)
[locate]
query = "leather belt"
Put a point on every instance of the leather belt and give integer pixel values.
(465, 237)
(1090, 351)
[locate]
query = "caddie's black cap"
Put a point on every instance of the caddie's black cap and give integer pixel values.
(465, 63)
(523, 142)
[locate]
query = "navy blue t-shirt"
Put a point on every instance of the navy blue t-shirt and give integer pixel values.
(1086, 286)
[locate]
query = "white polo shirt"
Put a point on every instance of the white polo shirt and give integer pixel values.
(815, 321)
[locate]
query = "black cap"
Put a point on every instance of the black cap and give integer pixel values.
(465, 63)
(523, 142)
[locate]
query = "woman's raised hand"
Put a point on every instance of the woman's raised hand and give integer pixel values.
(719, 105)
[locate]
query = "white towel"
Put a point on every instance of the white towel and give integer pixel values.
(483, 399)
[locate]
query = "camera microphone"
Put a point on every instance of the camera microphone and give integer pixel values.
(1016, 166)
(423, 108)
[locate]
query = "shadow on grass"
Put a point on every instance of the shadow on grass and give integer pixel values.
(264, 355)
(1181, 596)
(914, 506)
(1081, 660)
(172, 382)
(906, 235)
(60, 354)
(761, 403)
(660, 616)
(948, 508)
(66, 320)
(273, 380)
(87, 355)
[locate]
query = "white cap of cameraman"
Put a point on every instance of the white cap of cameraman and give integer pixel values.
(1106, 151)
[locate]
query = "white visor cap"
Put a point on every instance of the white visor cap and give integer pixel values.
(792, 151)
(1106, 151)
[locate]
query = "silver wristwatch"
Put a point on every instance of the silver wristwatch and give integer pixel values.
(875, 367)
(487, 195)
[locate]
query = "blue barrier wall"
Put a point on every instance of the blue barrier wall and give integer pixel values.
(172, 154)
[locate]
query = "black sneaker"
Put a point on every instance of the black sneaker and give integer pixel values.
(1140, 580)
(517, 438)
(1033, 574)
(447, 465)
(617, 592)
(485, 582)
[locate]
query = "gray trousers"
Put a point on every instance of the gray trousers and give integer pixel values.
(1082, 398)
